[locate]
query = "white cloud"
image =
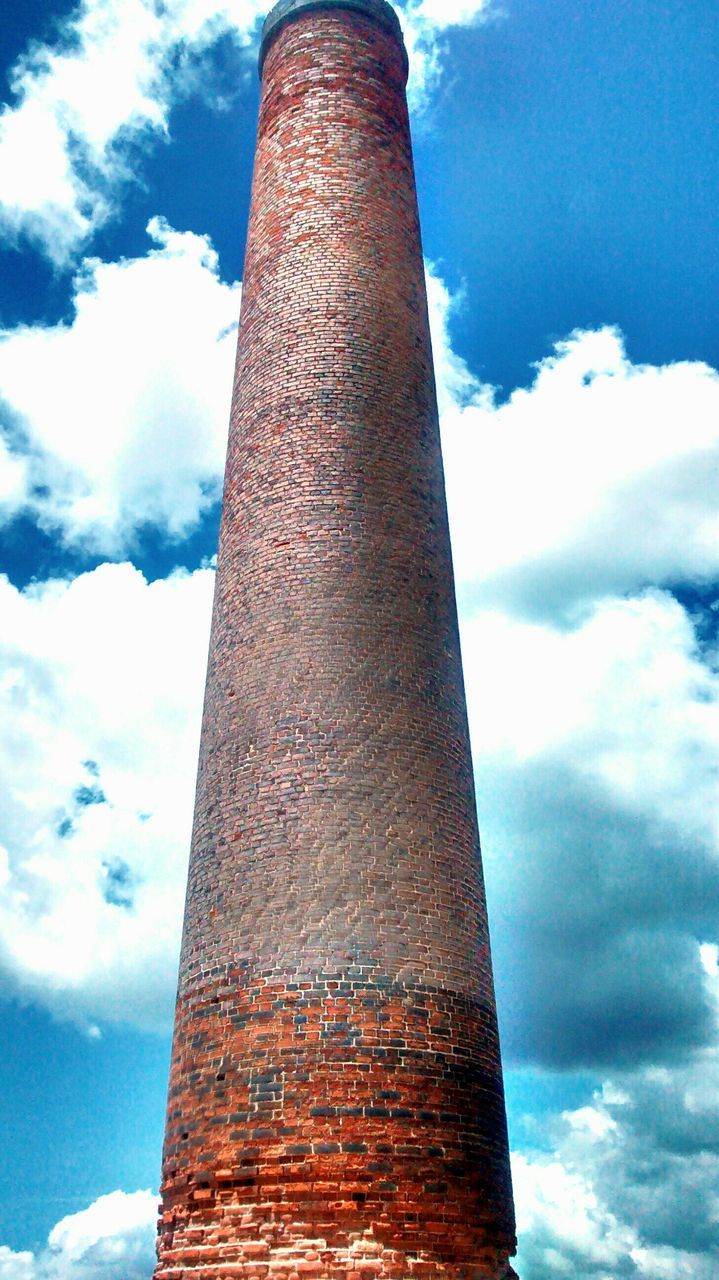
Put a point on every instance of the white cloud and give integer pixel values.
(599, 478)
(594, 711)
(630, 1185)
(597, 742)
(109, 82)
(597, 753)
(13, 481)
(16, 1266)
(456, 384)
(425, 23)
(593, 698)
(99, 705)
(113, 1239)
(626, 695)
(120, 417)
(562, 1228)
(85, 104)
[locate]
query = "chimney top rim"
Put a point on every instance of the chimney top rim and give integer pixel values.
(287, 10)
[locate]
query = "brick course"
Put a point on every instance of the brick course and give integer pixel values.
(335, 1104)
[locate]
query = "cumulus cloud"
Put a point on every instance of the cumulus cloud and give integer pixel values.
(597, 751)
(113, 1239)
(100, 702)
(106, 84)
(593, 696)
(593, 702)
(127, 423)
(84, 105)
(597, 479)
(95, 450)
(629, 1185)
(595, 728)
(563, 1229)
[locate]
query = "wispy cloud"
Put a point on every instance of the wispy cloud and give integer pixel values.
(426, 25)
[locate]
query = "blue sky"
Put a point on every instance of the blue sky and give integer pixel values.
(567, 164)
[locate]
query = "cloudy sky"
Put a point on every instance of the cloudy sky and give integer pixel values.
(567, 159)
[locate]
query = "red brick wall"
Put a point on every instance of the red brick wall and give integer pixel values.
(335, 1103)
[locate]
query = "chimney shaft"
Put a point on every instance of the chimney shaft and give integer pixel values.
(336, 1091)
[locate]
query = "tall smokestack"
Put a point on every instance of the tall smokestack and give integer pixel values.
(336, 1104)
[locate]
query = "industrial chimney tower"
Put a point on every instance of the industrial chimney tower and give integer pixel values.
(335, 1105)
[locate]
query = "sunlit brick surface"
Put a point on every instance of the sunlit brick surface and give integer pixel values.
(335, 1105)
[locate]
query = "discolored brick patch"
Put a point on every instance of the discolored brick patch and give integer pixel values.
(335, 1103)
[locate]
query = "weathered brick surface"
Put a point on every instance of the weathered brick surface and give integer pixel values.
(335, 1105)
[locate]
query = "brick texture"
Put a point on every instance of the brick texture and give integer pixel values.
(335, 1105)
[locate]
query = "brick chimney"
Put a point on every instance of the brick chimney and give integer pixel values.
(335, 1105)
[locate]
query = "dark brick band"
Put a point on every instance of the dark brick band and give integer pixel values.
(288, 10)
(342, 1111)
